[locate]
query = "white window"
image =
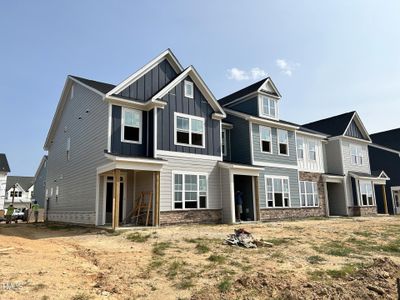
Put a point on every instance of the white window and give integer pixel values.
(190, 191)
(189, 130)
(300, 148)
(189, 89)
(309, 194)
(277, 191)
(72, 91)
(269, 107)
(283, 142)
(131, 126)
(57, 190)
(224, 140)
(51, 192)
(356, 152)
(68, 148)
(367, 198)
(312, 150)
(266, 139)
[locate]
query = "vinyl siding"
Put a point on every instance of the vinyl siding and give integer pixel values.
(175, 164)
(39, 186)
(226, 194)
(3, 181)
(354, 131)
(334, 160)
(306, 164)
(240, 140)
(348, 166)
(76, 178)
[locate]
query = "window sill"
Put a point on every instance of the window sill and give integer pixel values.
(131, 142)
(280, 154)
(188, 145)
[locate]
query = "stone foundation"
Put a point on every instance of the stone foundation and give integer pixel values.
(268, 214)
(200, 216)
(362, 211)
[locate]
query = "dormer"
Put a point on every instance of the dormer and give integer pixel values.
(268, 100)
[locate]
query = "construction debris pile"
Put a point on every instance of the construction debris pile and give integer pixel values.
(243, 238)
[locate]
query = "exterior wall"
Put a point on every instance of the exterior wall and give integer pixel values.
(3, 182)
(227, 197)
(228, 155)
(150, 83)
(198, 106)
(334, 160)
(200, 216)
(354, 131)
(19, 202)
(76, 178)
(306, 164)
(292, 213)
(293, 175)
(240, 140)
(360, 211)
(337, 199)
(247, 106)
(348, 166)
(316, 177)
(40, 185)
(176, 164)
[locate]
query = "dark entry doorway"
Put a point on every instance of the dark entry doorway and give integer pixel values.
(109, 199)
(244, 184)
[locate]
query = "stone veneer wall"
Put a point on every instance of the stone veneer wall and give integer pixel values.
(204, 216)
(363, 211)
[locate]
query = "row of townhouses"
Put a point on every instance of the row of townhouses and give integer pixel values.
(159, 148)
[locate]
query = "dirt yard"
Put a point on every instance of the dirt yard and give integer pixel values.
(344, 258)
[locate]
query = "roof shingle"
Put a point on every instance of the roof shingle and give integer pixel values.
(102, 87)
(24, 181)
(4, 166)
(333, 126)
(389, 139)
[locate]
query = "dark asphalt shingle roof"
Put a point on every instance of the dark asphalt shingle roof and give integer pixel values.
(24, 181)
(389, 139)
(4, 167)
(102, 87)
(332, 126)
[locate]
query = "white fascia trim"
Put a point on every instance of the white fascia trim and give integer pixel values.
(218, 116)
(384, 148)
(166, 54)
(226, 125)
(345, 137)
(188, 155)
(333, 178)
(275, 165)
(109, 133)
(241, 170)
(86, 86)
(269, 80)
(148, 105)
(374, 179)
(315, 135)
(134, 160)
(251, 143)
(142, 166)
(360, 123)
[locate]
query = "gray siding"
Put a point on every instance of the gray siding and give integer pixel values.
(40, 185)
(198, 106)
(293, 184)
(248, 106)
(150, 83)
(348, 166)
(334, 160)
(274, 157)
(240, 140)
(354, 131)
(76, 178)
(227, 197)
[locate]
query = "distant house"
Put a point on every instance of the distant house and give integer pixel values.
(22, 193)
(40, 182)
(384, 153)
(4, 170)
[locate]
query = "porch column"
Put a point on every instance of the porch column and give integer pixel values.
(257, 198)
(116, 197)
(385, 206)
(156, 214)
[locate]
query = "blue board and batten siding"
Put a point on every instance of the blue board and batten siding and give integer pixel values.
(239, 147)
(198, 106)
(150, 83)
(247, 106)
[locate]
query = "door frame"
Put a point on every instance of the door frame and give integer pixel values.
(124, 197)
(394, 189)
(253, 178)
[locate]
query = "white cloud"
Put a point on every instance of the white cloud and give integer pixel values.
(239, 75)
(286, 68)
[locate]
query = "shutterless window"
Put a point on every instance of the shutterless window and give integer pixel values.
(189, 92)
(366, 193)
(277, 190)
(283, 142)
(269, 107)
(356, 155)
(223, 137)
(266, 139)
(189, 130)
(131, 125)
(190, 191)
(300, 148)
(309, 194)
(312, 150)
(68, 148)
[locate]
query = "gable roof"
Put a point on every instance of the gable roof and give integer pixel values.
(4, 167)
(102, 87)
(255, 87)
(24, 182)
(333, 126)
(390, 138)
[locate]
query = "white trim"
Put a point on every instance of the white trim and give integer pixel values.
(224, 140)
(275, 165)
(185, 84)
(261, 112)
(190, 118)
(371, 184)
(109, 131)
(133, 104)
(155, 132)
(240, 169)
(315, 193)
(123, 110)
(135, 159)
(97, 199)
(86, 86)
(273, 177)
(333, 178)
(183, 173)
(251, 143)
(260, 127)
(279, 143)
(227, 125)
(124, 196)
(315, 135)
(269, 80)
(349, 138)
(385, 148)
(360, 123)
(188, 155)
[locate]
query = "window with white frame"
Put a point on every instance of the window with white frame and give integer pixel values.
(266, 139)
(269, 107)
(189, 130)
(224, 141)
(189, 92)
(69, 148)
(312, 150)
(277, 191)
(367, 198)
(131, 124)
(356, 153)
(283, 142)
(72, 91)
(300, 148)
(309, 194)
(190, 191)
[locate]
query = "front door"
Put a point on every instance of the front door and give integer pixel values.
(396, 200)
(109, 199)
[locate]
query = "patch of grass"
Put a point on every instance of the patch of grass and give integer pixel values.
(202, 248)
(279, 241)
(155, 264)
(344, 271)
(81, 296)
(315, 259)
(175, 268)
(185, 284)
(137, 237)
(225, 285)
(335, 249)
(159, 248)
(392, 246)
(317, 275)
(218, 259)
(364, 233)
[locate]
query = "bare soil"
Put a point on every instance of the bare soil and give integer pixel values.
(343, 258)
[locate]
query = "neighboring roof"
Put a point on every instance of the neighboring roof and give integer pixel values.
(310, 131)
(390, 138)
(44, 159)
(4, 167)
(97, 85)
(333, 126)
(374, 175)
(24, 181)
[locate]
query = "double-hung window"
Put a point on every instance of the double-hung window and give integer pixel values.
(190, 191)
(189, 130)
(312, 150)
(188, 89)
(367, 198)
(356, 153)
(309, 194)
(283, 142)
(266, 139)
(131, 124)
(300, 148)
(268, 107)
(277, 191)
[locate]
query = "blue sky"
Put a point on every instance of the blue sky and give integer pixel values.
(326, 57)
